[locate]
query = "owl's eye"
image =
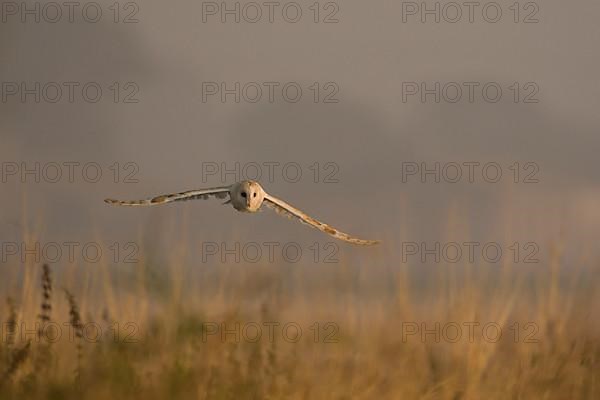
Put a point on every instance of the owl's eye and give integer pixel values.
(244, 194)
(254, 194)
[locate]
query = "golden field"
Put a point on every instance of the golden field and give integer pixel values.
(188, 330)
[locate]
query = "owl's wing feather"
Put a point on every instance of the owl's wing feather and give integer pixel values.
(281, 207)
(219, 192)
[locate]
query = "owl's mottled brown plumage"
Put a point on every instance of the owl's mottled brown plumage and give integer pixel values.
(246, 196)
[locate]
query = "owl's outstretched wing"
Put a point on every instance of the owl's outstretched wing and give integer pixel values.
(219, 192)
(284, 208)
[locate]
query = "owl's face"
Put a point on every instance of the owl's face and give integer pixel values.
(247, 196)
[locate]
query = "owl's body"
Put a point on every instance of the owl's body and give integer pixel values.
(246, 196)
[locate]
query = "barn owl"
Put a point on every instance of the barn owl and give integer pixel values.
(246, 196)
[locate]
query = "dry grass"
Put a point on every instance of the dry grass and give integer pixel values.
(157, 340)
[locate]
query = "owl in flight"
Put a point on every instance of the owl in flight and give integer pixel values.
(246, 196)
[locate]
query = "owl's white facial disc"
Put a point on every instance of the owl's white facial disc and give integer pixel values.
(247, 196)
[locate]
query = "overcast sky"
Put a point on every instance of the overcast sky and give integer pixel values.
(360, 121)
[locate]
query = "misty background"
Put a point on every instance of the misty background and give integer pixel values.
(368, 54)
